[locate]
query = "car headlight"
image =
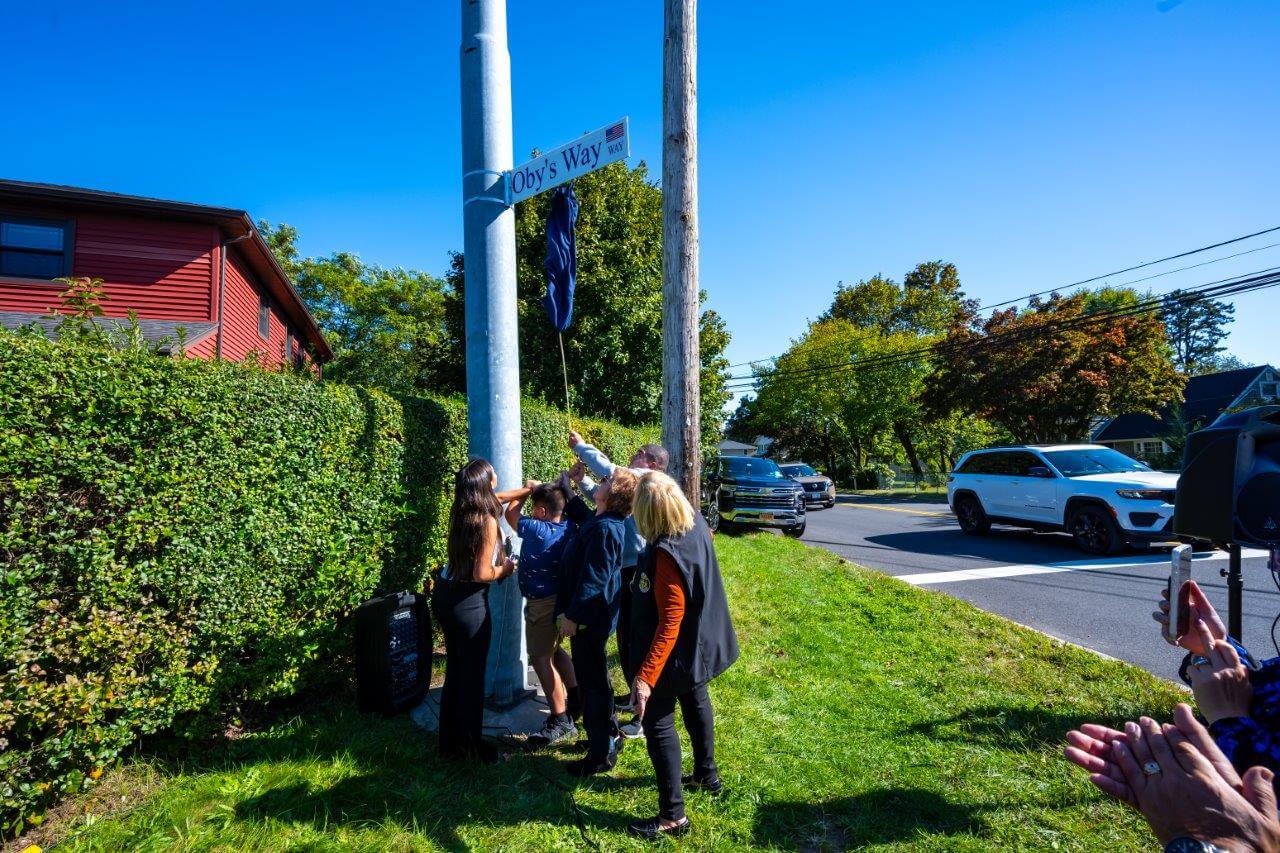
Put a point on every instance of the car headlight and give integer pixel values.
(1143, 494)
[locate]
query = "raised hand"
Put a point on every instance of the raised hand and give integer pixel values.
(1200, 609)
(574, 439)
(1220, 682)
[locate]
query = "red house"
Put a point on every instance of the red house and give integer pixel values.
(204, 269)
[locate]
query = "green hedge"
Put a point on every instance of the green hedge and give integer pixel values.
(179, 538)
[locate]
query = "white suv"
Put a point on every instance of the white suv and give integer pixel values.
(1098, 495)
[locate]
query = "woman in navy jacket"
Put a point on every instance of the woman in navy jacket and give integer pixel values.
(591, 578)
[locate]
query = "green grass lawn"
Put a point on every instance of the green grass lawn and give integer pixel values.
(908, 494)
(864, 712)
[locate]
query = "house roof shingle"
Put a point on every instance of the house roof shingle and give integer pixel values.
(1204, 399)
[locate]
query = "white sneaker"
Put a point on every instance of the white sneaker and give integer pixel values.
(633, 729)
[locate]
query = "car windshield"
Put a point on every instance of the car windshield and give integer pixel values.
(746, 466)
(798, 471)
(1093, 460)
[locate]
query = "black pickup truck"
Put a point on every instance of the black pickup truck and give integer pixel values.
(744, 491)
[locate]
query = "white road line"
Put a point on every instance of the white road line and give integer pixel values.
(993, 572)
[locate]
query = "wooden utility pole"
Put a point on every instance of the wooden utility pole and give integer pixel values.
(681, 363)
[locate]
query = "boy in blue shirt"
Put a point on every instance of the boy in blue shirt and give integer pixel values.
(541, 532)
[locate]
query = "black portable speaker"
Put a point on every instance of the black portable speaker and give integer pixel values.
(1229, 490)
(392, 652)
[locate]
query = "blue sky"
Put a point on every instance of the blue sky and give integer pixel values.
(1031, 143)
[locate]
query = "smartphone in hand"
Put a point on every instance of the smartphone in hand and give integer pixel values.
(1179, 623)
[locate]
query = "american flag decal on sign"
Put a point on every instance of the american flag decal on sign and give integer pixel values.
(614, 133)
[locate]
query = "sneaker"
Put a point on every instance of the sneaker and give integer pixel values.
(633, 729)
(651, 829)
(554, 730)
(712, 784)
(589, 766)
(622, 703)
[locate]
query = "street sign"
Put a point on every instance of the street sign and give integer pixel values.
(585, 154)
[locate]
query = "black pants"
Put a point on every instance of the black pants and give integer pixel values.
(624, 627)
(591, 666)
(462, 612)
(664, 744)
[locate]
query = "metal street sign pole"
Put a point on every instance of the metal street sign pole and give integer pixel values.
(493, 361)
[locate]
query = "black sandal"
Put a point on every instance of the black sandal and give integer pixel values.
(652, 830)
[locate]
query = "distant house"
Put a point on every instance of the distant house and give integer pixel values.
(204, 270)
(1205, 398)
(729, 447)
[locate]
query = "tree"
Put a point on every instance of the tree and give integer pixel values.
(928, 302)
(741, 425)
(386, 326)
(907, 318)
(614, 346)
(1046, 372)
(1225, 361)
(1195, 326)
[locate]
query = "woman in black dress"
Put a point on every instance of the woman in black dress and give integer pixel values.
(460, 601)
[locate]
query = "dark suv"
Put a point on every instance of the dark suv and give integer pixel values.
(743, 491)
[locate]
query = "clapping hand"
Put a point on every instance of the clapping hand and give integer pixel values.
(1180, 781)
(578, 472)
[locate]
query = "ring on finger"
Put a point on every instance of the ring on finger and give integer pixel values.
(1151, 768)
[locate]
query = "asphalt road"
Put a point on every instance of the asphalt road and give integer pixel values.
(1040, 579)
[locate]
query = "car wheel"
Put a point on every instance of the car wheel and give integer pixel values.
(1095, 531)
(795, 532)
(711, 512)
(973, 520)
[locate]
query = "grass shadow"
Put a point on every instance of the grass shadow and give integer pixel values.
(881, 816)
(1011, 727)
(332, 766)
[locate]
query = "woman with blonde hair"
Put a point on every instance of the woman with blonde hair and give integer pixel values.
(682, 637)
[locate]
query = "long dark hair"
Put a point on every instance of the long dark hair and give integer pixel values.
(474, 503)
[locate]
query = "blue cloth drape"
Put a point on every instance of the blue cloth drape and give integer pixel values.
(562, 256)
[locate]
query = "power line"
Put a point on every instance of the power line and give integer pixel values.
(1029, 296)
(892, 359)
(1224, 287)
(911, 356)
(1137, 267)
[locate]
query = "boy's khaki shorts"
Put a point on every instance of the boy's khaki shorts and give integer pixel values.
(541, 634)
